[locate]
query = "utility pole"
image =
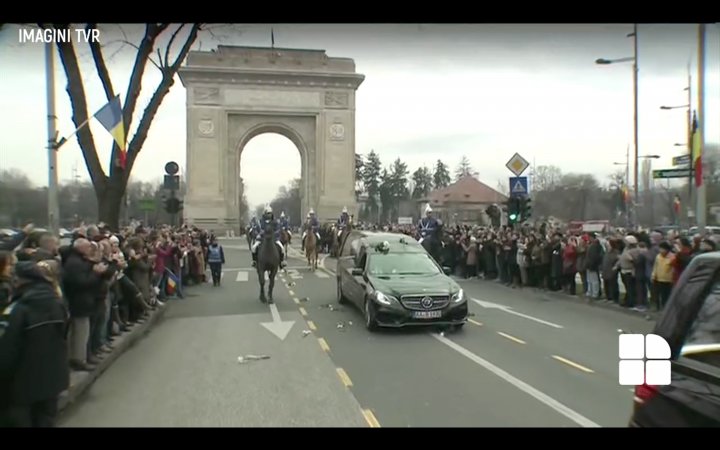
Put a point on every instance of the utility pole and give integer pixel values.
(701, 192)
(635, 116)
(53, 204)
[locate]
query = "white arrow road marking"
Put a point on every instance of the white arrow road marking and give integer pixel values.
(277, 326)
(509, 310)
(521, 385)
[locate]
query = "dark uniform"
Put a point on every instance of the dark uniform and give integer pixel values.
(268, 220)
(311, 225)
(33, 351)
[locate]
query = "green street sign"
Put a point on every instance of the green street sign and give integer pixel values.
(671, 173)
(147, 204)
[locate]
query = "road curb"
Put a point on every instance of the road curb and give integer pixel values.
(80, 382)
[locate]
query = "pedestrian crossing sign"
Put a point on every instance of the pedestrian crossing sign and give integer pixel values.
(518, 186)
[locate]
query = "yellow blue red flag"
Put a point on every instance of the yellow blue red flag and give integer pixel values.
(110, 116)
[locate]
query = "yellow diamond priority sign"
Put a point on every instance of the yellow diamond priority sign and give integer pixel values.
(517, 164)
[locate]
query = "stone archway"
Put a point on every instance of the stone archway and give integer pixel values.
(237, 93)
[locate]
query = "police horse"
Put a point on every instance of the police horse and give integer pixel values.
(268, 260)
(311, 249)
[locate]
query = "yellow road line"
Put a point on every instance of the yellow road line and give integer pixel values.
(311, 325)
(291, 292)
(302, 311)
(344, 377)
(324, 345)
(475, 322)
(512, 338)
(296, 300)
(370, 418)
(573, 364)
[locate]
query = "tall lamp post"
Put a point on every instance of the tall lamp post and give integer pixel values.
(634, 60)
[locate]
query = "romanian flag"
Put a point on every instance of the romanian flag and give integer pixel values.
(172, 282)
(111, 117)
(696, 151)
(625, 194)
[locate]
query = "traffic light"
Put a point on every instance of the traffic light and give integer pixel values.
(513, 209)
(526, 208)
(173, 205)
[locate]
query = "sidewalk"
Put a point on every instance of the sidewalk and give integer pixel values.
(81, 381)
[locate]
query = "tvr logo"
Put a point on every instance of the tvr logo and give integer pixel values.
(644, 359)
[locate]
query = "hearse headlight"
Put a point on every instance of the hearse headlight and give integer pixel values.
(459, 296)
(384, 299)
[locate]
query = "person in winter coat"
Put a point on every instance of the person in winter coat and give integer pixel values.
(33, 350)
(593, 261)
(662, 275)
(569, 257)
(610, 273)
(216, 259)
(7, 263)
(81, 280)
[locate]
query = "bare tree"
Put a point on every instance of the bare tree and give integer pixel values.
(110, 187)
(546, 178)
(616, 181)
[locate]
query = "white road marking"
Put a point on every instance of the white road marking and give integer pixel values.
(521, 385)
(509, 310)
(294, 274)
(244, 275)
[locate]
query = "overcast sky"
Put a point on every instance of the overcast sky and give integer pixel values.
(431, 91)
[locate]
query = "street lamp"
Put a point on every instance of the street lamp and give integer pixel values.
(634, 60)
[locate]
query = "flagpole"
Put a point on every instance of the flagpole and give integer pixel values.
(701, 192)
(65, 139)
(53, 203)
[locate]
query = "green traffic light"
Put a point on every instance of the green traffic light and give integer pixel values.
(513, 216)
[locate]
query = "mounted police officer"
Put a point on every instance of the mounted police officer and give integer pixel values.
(284, 223)
(311, 223)
(428, 225)
(343, 221)
(266, 222)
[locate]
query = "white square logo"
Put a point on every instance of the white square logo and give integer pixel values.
(644, 359)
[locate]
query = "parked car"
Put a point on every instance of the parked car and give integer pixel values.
(691, 327)
(396, 283)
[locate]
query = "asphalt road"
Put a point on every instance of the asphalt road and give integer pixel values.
(525, 360)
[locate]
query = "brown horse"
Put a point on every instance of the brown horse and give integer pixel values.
(285, 238)
(311, 249)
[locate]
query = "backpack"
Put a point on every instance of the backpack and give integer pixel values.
(214, 255)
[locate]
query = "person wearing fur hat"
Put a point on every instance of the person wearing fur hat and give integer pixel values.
(33, 350)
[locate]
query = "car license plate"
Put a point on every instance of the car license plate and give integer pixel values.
(427, 314)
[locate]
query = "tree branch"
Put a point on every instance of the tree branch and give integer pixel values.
(152, 31)
(169, 46)
(100, 65)
(156, 100)
(76, 92)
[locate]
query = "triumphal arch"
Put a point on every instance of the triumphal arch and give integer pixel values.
(236, 93)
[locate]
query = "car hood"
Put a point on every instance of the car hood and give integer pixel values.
(415, 285)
